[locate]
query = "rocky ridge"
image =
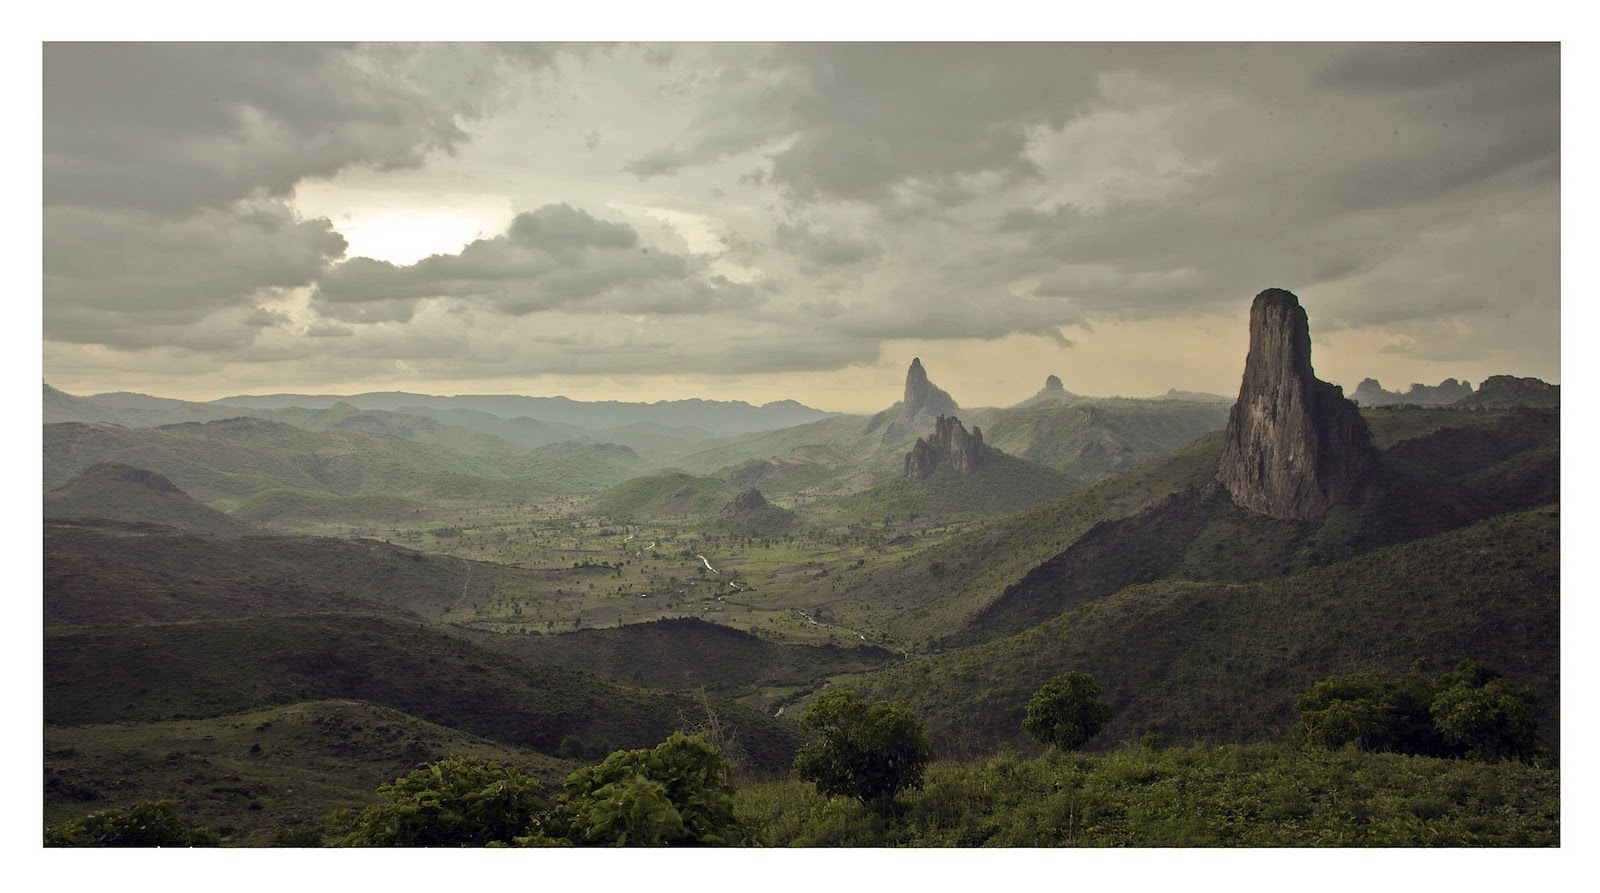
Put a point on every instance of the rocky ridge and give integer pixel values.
(1371, 393)
(950, 446)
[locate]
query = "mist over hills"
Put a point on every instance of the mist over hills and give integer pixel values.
(720, 418)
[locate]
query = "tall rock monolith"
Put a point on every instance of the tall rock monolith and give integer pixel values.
(1294, 445)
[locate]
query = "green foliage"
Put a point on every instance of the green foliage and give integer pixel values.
(1262, 795)
(142, 825)
(1469, 712)
(677, 793)
(869, 752)
(1067, 711)
(458, 801)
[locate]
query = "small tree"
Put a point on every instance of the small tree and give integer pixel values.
(1067, 711)
(677, 793)
(869, 752)
(1484, 716)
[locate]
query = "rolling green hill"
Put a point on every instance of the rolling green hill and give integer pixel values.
(123, 493)
(250, 774)
(218, 668)
(85, 561)
(669, 494)
(1004, 486)
(227, 463)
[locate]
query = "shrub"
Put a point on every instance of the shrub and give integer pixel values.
(457, 801)
(144, 824)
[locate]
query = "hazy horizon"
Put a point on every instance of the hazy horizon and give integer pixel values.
(761, 222)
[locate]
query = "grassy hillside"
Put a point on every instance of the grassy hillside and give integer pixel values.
(670, 494)
(228, 463)
(83, 561)
(1222, 661)
(249, 774)
(217, 668)
(1231, 796)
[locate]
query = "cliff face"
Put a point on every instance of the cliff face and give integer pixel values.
(950, 446)
(922, 396)
(1294, 446)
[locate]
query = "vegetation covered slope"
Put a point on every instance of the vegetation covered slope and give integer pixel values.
(689, 653)
(250, 774)
(120, 492)
(89, 563)
(1222, 661)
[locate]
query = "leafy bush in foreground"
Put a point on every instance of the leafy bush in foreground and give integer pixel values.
(145, 824)
(675, 794)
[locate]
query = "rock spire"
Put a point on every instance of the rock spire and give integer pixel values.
(922, 396)
(1294, 446)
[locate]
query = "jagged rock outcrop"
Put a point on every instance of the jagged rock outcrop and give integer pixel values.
(1294, 446)
(950, 446)
(1505, 391)
(1053, 385)
(922, 396)
(1371, 393)
(749, 501)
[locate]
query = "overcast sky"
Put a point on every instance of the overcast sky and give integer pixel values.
(760, 222)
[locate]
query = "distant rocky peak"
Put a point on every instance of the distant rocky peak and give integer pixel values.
(1294, 446)
(950, 446)
(749, 501)
(1053, 384)
(922, 396)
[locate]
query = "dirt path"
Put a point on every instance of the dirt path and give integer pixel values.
(464, 584)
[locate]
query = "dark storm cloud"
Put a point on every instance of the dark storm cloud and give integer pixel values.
(172, 128)
(132, 267)
(861, 118)
(550, 258)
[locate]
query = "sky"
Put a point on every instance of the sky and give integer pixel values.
(766, 221)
